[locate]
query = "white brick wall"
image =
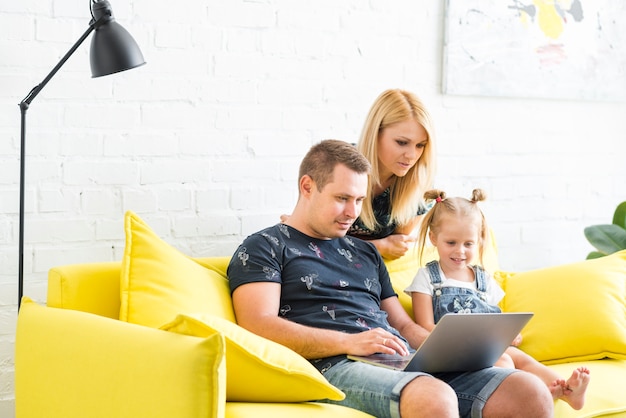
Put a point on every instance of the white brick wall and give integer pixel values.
(204, 141)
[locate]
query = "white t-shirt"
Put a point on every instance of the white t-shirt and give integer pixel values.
(421, 284)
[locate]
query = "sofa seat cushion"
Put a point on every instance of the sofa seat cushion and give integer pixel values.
(158, 282)
(291, 410)
(605, 393)
(258, 369)
(580, 309)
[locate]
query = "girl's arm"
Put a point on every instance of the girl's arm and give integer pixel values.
(423, 310)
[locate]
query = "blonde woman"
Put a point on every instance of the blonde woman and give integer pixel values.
(398, 140)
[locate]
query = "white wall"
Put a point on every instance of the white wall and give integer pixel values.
(204, 141)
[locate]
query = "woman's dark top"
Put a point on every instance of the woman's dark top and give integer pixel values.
(381, 205)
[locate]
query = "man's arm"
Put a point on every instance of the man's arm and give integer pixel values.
(256, 308)
(400, 320)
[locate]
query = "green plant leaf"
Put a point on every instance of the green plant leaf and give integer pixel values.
(606, 238)
(595, 254)
(619, 217)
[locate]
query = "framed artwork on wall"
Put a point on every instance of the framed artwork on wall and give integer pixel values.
(560, 49)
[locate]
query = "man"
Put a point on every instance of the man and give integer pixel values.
(305, 285)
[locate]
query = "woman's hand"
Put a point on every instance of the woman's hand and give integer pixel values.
(394, 246)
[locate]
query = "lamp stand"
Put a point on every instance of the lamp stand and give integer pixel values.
(124, 55)
(24, 104)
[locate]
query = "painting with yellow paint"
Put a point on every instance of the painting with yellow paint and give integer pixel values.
(557, 49)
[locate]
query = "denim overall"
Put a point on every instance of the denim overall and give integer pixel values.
(459, 299)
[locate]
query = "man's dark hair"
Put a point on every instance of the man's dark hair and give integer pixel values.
(319, 163)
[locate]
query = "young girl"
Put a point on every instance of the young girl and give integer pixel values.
(457, 228)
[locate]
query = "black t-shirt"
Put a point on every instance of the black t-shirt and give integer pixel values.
(335, 284)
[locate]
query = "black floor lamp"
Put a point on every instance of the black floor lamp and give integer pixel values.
(113, 50)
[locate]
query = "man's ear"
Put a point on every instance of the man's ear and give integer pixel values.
(306, 185)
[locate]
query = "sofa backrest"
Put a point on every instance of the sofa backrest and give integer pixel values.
(95, 287)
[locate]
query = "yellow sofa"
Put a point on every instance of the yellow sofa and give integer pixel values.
(154, 336)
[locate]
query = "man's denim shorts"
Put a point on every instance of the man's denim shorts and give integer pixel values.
(376, 390)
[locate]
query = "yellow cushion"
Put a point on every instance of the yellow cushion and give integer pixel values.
(158, 282)
(580, 309)
(71, 364)
(257, 369)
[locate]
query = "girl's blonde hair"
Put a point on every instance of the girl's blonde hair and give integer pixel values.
(453, 206)
(391, 107)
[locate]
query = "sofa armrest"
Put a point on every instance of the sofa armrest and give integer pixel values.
(71, 364)
(90, 287)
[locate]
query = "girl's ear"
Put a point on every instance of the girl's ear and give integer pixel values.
(432, 237)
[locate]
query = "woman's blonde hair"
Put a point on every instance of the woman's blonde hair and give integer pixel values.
(453, 206)
(391, 107)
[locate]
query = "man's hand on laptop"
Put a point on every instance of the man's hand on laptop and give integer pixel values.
(377, 341)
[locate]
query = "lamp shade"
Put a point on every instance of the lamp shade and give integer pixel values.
(113, 49)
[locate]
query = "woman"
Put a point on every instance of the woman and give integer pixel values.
(397, 139)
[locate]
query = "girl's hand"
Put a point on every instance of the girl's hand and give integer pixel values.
(517, 341)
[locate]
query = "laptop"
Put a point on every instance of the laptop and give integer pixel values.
(459, 342)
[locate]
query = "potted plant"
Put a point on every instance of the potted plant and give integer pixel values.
(608, 238)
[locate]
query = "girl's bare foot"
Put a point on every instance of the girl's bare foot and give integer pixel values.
(557, 388)
(573, 390)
